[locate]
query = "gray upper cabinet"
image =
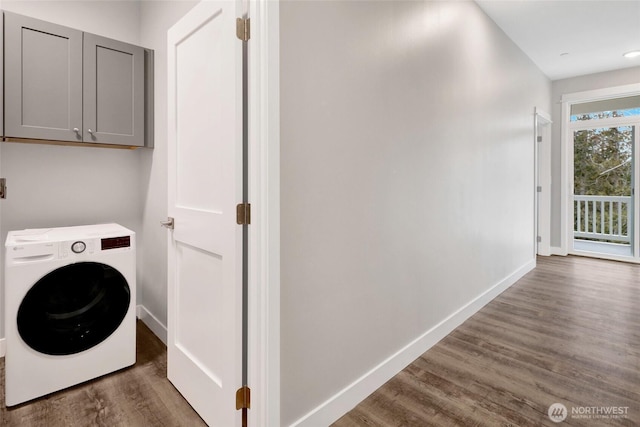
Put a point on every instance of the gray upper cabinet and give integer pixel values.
(43, 79)
(65, 85)
(113, 92)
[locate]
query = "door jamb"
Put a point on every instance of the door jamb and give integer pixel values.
(264, 231)
(542, 173)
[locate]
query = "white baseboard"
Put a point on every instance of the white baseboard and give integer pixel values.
(156, 326)
(3, 347)
(342, 402)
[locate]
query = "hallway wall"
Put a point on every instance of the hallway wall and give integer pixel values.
(406, 185)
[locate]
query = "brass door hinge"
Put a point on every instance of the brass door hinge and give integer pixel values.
(243, 214)
(243, 29)
(243, 398)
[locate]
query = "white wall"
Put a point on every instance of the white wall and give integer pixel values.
(156, 18)
(576, 84)
(53, 186)
(406, 180)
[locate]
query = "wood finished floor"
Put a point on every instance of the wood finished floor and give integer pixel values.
(568, 332)
(136, 396)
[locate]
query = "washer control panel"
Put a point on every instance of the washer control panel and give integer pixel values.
(115, 242)
(69, 243)
(78, 247)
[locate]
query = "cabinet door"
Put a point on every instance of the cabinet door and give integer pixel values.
(113, 92)
(43, 79)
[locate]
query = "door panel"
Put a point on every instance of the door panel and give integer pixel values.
(195, 129)
(113, 92)
(43, 79)
(604, 190)
(205, 250)
(200, 274)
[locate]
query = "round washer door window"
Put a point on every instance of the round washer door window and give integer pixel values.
(73, 308)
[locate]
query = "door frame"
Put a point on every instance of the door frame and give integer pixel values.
(566, 156)
(264, 196)
(3, 341)
(542, 173)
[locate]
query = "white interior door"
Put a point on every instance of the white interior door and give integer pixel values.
(205, 184)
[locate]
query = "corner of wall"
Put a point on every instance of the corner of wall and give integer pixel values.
(152, 322)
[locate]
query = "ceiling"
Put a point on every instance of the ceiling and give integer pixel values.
(569, 38)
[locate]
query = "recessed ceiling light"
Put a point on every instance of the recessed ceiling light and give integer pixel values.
(632, 54)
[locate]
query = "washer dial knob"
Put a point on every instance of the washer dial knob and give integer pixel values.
(78, 247)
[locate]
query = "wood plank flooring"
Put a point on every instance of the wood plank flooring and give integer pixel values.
(137, 396)
(568, 332)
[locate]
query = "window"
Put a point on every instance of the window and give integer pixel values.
(608, 108)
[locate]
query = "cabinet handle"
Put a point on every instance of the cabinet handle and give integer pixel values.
(90, 131)
(76, 130)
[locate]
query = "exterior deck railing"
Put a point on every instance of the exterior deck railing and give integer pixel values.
(602, 218)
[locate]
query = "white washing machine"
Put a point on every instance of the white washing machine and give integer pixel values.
(69, 307)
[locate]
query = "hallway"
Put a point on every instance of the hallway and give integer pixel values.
(568, 332)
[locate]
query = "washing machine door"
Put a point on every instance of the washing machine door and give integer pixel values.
(73, 308)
